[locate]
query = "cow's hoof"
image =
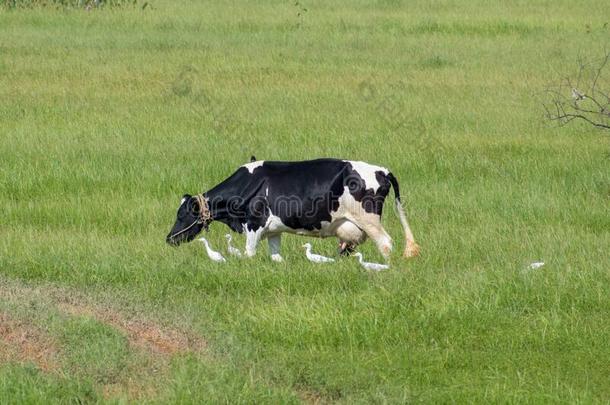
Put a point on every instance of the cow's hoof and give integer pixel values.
(412, 250)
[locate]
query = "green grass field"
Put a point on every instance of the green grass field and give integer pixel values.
(108, 116)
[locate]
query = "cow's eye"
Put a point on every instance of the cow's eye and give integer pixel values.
(195, 208)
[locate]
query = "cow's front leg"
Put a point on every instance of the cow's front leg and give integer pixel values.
(253, 236)
(274, 247)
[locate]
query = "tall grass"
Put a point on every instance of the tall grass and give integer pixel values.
(107, 118)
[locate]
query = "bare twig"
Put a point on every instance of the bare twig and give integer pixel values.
(571, 99)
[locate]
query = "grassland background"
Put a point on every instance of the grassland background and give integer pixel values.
(107, 117)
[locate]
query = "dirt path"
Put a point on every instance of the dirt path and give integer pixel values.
(140, 333)
(140, 330)
(22, 342)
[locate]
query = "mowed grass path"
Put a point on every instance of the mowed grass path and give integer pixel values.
(107, 117)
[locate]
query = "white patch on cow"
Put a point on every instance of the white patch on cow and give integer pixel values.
(348, 207)
(367, 172)
(182, 201)
(275, 225)
(253, 165)
(267, 192)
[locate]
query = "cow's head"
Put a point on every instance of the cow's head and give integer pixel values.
(192, 217)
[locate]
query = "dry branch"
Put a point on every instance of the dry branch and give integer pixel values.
(585, 97)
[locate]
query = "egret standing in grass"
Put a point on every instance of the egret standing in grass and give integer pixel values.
(371, 266)
(312, 257)
(212, 254)
(233, 251)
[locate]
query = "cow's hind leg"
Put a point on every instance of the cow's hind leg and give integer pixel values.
(274, 247)
(382, 239)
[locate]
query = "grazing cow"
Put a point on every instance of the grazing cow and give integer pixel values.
(321, 198)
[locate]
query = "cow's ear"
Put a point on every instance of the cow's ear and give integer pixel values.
(185, 198)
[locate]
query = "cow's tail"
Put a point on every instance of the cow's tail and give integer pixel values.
(411, 248)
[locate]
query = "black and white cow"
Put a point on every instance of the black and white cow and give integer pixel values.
(321, 198)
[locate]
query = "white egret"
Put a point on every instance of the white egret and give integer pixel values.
(212, 254)
(232, 250)
(371, 266)
(312, 257)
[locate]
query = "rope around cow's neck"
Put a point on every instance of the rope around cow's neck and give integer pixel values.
(204, 214)
(204, 209)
